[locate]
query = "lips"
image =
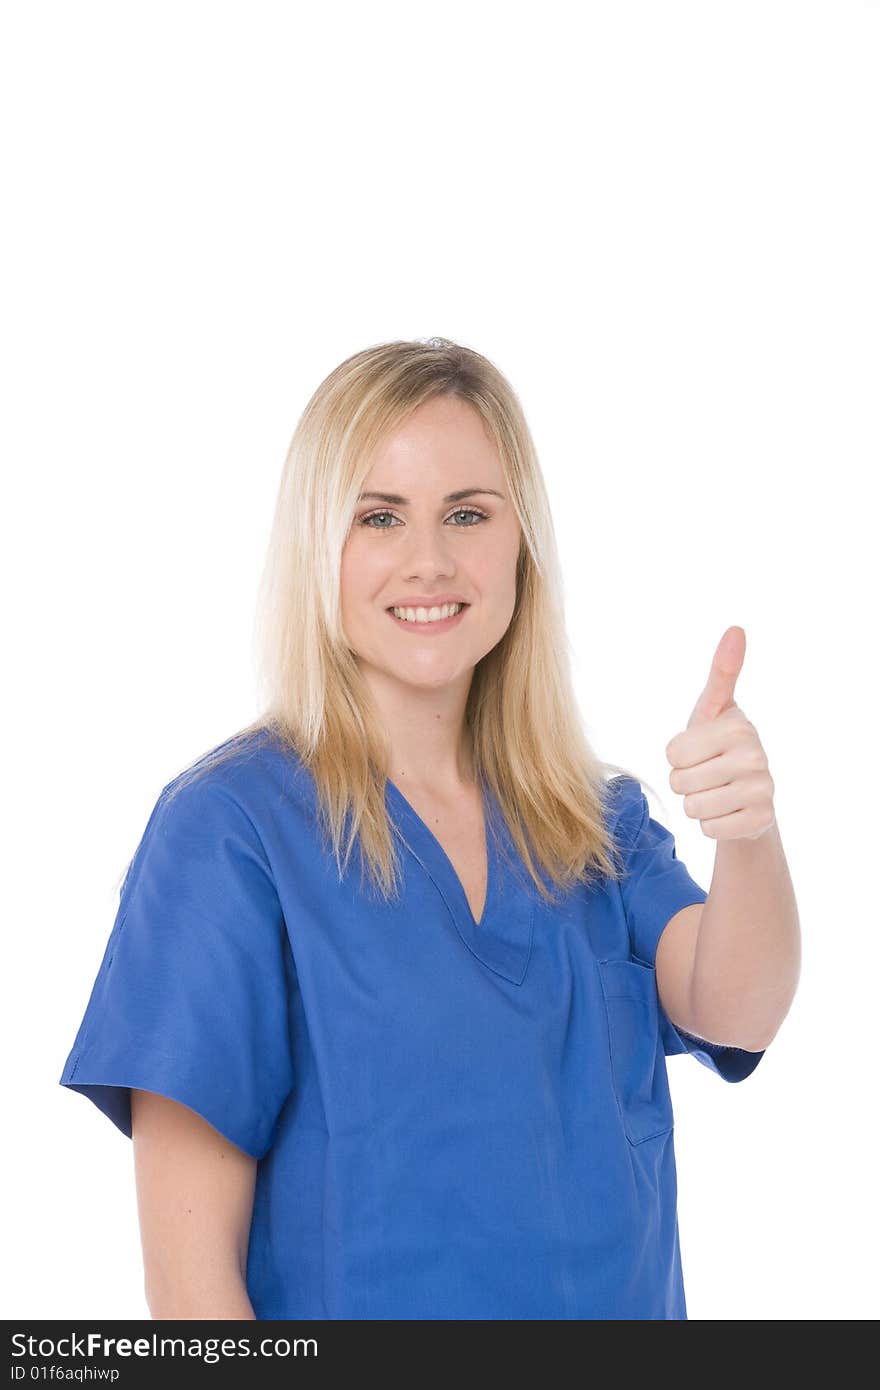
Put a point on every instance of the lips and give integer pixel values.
(436, 602)
(427, 629)
(428, 606)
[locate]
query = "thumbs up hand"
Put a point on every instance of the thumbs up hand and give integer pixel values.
(718, 762)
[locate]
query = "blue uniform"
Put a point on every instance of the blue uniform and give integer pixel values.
(452, 1119)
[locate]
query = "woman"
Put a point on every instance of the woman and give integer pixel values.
(426, 1080)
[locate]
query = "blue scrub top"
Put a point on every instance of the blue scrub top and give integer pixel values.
(451, 1120)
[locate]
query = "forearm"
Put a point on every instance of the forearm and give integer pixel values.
(748, 950)
(226, 1299)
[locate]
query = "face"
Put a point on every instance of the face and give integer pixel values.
(418, 545)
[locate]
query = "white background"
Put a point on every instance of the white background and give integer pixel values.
(661, 221)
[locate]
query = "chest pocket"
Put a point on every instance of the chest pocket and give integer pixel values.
(638, 1066)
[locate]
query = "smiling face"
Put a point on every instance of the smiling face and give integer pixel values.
(423, 542)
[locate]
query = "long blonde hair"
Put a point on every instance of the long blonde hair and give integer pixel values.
(526, 732)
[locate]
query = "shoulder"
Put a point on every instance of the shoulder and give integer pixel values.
(220, 812)
(626, 807)
(246, 776)
(211, 818)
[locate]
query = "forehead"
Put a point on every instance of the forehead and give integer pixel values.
(441, 442)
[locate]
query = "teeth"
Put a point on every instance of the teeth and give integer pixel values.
(427, 615)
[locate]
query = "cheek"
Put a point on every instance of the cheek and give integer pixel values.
(360, 572)
(495, 573)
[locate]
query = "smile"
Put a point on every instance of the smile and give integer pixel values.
(420, 623)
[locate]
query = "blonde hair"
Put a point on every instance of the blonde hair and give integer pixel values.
(526, 733)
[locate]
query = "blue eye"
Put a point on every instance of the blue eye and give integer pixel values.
(459, 511)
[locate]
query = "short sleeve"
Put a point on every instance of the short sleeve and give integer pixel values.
(191, 999)
(655, 886)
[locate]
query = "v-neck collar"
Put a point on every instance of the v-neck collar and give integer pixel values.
(502, 939)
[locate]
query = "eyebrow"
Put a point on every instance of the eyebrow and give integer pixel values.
(450, 496)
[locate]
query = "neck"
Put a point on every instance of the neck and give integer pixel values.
(429, 744)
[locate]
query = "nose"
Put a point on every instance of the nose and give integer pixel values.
(428, 551)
